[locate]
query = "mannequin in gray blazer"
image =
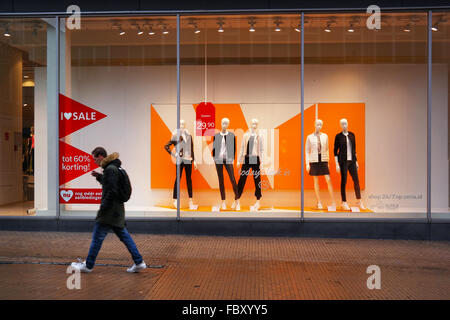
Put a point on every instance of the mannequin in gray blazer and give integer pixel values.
(224, 152)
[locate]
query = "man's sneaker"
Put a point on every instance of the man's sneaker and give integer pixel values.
(81, 266)
(137, 268)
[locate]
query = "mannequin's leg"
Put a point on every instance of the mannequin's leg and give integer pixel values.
(317, 191)
(243, 178)
(330, 189)
(257, 179)
(181, 165)
(230, 171)
(219, 169)
(354, 173)
(344, 168)
(188, 170)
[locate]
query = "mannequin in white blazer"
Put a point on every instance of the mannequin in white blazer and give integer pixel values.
(312, 156)
(256, 158)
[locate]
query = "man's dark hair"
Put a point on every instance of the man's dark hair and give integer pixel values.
(99, 151)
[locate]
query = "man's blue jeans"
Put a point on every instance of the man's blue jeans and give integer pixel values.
(100, 232)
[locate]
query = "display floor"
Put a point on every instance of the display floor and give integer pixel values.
(17, 209)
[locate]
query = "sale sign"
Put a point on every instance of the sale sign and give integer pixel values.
(80, 196)
(205, 115)
(73, 116)
(73, 163)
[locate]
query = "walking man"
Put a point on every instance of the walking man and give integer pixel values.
(111, 214)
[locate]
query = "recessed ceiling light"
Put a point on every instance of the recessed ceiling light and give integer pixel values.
(220, 23)
(7, 33)
(277, 25)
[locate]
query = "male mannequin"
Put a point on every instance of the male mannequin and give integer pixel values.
(251, 156)
(186, 149)
(317, 157)
(345, 156)
(224, 150)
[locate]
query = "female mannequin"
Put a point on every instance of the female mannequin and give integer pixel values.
(317, 157)
(186, 149)
(345, 155)
(224, 149)
(251, 157)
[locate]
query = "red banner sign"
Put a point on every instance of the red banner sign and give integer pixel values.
(205, 119)
(73, 163)
(85, 196)
(73, 116)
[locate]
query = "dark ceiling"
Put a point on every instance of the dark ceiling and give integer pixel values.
(22, 6)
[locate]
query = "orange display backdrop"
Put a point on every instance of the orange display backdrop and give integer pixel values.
(289, 140)
(331, 114)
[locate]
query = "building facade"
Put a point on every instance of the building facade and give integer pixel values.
(136, 77)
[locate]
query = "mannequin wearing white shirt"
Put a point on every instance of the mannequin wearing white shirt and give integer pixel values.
(312, 157)
(224, 149)
(344, 157)
(252, 159)
(184, 134)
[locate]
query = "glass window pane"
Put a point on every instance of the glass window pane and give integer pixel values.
(26, 171)
(240, 100)
(118, 91)
(440, 207)
(376, 79)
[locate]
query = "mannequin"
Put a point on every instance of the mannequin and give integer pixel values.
(251, 157)
(345, 156)
(186, 149)
(224, 150)
(317, 157)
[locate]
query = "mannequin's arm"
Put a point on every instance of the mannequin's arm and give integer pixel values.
(167, 147)
(307, 151)
(192, 153)
(261, 150)
(336, 148)
(241, 152)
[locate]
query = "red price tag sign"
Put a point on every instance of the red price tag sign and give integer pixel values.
(205, 119)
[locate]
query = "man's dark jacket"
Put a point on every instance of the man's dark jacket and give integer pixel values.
(112, 210)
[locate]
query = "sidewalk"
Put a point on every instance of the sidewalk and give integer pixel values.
(203, 267)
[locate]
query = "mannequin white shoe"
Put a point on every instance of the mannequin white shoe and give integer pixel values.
(345, 206)
(223, 206)
(175, 203)
(361, 205)
(192, 206)
(233, 205)
(256, 206)
(319, 206)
